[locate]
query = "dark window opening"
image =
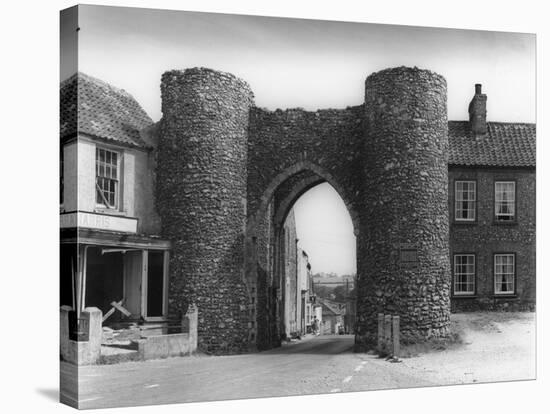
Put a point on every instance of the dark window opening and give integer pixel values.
(68, 262)
(155, 284)
(104, 280)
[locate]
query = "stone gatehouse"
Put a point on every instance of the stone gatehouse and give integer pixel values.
(443, 211)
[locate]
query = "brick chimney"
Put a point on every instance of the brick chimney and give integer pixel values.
(478, 112)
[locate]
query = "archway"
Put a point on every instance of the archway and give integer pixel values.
(227, 169)
(284, 304)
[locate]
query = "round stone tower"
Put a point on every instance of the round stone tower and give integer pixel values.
(201, 198)
(403, 248)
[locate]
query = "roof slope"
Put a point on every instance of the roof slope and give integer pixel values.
(504, 145)
(330, 307)
(92, 107)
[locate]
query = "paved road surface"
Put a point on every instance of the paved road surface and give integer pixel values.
(321, 364)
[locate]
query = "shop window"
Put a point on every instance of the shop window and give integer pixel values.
(465, 200)
(107, 178)
(505, 270)
(464, 271)
(505, 201)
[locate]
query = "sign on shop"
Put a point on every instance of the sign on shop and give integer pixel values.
(98, 222)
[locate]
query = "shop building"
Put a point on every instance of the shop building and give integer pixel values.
(111, 256)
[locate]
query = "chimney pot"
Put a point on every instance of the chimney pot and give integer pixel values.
(478, 88)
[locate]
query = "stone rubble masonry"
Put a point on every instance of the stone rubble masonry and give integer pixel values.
(405, 205)
(288, 152)
(201, 196)
(229, 171)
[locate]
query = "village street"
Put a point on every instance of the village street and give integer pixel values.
(319, 364)
(496, 347)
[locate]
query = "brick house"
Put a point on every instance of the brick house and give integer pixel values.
(492, 211)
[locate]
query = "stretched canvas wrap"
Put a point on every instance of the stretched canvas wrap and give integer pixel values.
(376, 232)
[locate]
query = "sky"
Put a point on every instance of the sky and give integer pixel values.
(305, 63)
(325, 231)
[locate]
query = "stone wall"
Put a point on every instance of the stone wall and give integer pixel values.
(289, 152)
(283, 143)
(201, 198)
(229, 172)
(484, 237)
(403, 265)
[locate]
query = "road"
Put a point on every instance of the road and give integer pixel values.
(315, 365)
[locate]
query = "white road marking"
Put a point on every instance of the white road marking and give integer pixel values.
(358, 368)
(363, 362)
(347, 379)
(336, 390)
(152, 386)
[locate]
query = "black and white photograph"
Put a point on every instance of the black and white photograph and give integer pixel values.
(258, 206)
(277, 211)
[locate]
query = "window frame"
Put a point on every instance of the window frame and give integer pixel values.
(514, 275)
(461, 220)
(464, 294)
(513, 220)
(118, 188)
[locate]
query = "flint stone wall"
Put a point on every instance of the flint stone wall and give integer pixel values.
(202, 201)
(227, 169)
(403, 252)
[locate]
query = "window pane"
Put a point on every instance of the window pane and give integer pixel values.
(106, 177)
(504, 273)
(505, 200)
(464, 274)
(465, 200)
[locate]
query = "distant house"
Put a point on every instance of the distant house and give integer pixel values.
(333, 316)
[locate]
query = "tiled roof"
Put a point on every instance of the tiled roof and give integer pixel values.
(330, 307)
(102, 110)
(504, 145)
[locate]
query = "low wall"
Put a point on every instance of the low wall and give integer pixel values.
(88, 350)
(159, 346)
(164, 346)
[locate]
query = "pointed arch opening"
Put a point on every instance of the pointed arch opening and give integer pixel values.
(284, 247)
